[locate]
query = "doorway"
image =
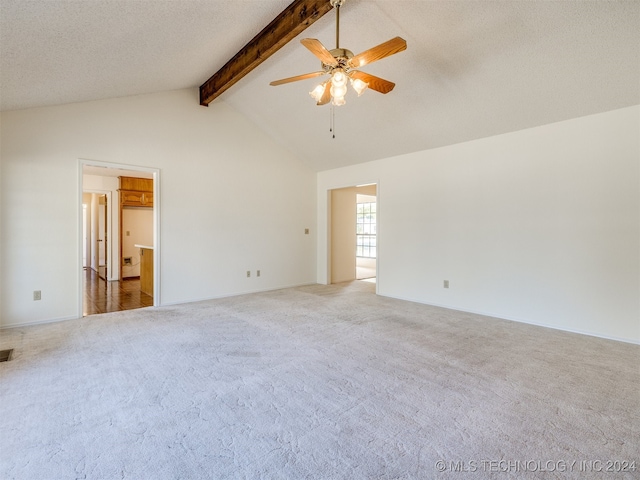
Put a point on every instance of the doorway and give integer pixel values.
(105, 283)
(353, 249)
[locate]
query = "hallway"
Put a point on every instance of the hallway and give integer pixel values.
(101, 296)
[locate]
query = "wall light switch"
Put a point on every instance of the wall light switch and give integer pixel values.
(128, 233)
(248, 273)
(446, 284)
(257, 273)
(37, 295)
(306, 231)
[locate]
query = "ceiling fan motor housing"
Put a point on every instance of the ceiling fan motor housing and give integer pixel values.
(342, 56)
(341, 53)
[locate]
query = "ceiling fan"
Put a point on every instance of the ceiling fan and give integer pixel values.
(341, 65)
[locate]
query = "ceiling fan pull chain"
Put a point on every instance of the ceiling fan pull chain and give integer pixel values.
(332, 121)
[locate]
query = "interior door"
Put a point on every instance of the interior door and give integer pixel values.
(85, 237)
(102, 237)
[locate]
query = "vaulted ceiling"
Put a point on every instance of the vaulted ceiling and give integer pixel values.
(472, 68)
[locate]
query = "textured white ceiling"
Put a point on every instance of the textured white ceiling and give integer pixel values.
(472, 68)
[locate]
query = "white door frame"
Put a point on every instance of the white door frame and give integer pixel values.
(156, 225)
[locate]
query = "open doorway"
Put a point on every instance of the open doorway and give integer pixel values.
(353, 248)
(109, 283)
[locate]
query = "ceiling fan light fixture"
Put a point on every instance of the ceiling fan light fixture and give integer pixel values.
(338, 101)
(338, 87)
(359, 86)
(339, 78)
(338, 90)
(317, 92)
(341, 65)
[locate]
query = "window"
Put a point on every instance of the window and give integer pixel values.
(366, 230)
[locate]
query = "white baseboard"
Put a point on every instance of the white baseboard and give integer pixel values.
(38, 322)
(227, 295)
(519, 320)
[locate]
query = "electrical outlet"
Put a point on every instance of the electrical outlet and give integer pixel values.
(257, 273)
(248, 273)
(306, 231)
(37, 295)
(446, 284)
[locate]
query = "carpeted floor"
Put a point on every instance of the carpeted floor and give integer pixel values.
(318, 382)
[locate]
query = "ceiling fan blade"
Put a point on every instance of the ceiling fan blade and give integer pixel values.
(296, 78)
(374, 54)
(375, 83)
(316, 47)
(326, 95)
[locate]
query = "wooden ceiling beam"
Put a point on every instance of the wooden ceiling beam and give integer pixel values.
(285, 27)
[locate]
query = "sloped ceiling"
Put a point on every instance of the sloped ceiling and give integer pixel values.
(472, 68)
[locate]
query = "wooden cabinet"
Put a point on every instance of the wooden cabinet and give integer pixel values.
(130, 198)
(136, 192)
(146, 270)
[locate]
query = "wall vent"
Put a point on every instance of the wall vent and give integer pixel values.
(5, 355)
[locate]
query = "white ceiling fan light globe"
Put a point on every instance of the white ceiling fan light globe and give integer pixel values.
(338, 101)
(339, 78)
(359, 86)
(338, 90)
(317, 92)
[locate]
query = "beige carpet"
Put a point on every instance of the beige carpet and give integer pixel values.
(318, 382)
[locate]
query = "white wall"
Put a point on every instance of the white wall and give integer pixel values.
(231, 200)
(540, 225)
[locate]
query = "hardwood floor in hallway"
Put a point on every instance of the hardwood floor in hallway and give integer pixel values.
(101, 296)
